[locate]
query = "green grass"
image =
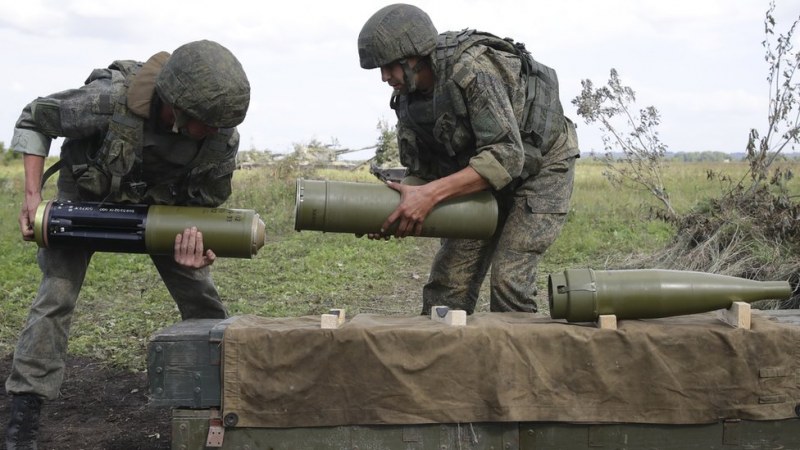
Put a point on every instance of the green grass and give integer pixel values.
(298, 273)
(605, 222)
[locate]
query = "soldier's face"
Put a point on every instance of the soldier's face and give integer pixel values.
(198, 130)
(192, 127)
(392, 74)
(395, 75)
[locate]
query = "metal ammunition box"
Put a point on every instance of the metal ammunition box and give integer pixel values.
(183, 364)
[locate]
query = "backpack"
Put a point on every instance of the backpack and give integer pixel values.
(542, 117)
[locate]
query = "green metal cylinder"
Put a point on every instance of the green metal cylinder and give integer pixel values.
(237, 233)
(151, 229)
(361, 208)
(582, 295)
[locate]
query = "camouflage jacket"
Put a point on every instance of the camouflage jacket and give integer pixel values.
(481, 97)
(115, 148)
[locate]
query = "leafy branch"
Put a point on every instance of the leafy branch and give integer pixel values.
(783, 118)
(641, 146)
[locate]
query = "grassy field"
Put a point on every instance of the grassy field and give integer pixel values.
(298, 273)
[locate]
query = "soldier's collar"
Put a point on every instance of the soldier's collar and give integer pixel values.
(140, 92)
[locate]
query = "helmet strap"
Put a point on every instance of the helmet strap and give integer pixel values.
(181, 119)
(409, 75)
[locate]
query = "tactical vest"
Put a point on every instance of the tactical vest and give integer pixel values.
(112, 172)
(447, 128)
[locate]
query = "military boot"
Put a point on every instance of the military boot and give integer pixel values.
(24, 424)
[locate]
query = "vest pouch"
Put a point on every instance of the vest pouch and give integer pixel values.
(206, 185)
(93, 183)
(544, 126)
(408, 148)
(443, 131)
(101, 178)
(452, 127)
(77, 157)
(533, 160)
(119, 158)
(449, 132)
(162, 194)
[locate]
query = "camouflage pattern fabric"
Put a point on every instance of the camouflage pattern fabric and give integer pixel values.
(395, 32)
(82, 116)
(532, 219)
(38, 366)
(180, 173)
(476, 122)
(487, 138)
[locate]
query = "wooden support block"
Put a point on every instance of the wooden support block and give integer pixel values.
(738, 315)
(338, 313)
(329, 321)
(447, 316)
(456, 318)
(607, 322)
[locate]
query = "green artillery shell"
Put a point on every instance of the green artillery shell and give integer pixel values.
(361, 208)
(582, 295)
(146, 229)
(236, 233)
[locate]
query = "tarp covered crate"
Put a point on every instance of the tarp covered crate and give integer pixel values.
(503, 381)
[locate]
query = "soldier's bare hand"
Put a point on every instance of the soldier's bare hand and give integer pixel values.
(27, 215)
(189, 251)
(414, 207)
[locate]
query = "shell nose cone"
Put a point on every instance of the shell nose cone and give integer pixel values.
(259, 234)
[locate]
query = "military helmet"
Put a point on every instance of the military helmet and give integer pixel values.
(207, 82)
(395, 32)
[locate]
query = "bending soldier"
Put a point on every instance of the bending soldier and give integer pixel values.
(158, 132)
(475, 112)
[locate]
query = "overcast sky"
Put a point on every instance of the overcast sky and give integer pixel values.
(700, 62)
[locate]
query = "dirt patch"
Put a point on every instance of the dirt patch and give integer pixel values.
(99, 408)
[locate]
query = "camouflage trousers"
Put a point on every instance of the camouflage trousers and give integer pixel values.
(38, 366)
(530, 221)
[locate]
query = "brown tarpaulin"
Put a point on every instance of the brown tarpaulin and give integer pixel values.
(507, 367)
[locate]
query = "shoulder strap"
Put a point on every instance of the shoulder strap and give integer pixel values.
(122, 148)
(125, 66)
(542, 115)
(55, 167)
(451, 44)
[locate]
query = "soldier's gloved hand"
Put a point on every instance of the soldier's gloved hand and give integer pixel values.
(189, 251)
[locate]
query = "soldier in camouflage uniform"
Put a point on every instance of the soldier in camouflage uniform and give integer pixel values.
(475, 112)
(159, 132)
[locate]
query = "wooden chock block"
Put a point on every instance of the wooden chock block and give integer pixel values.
(329, 321)
(737, 315)
(607, 322)
(452, 317)
(338, 312)
(456, 318)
